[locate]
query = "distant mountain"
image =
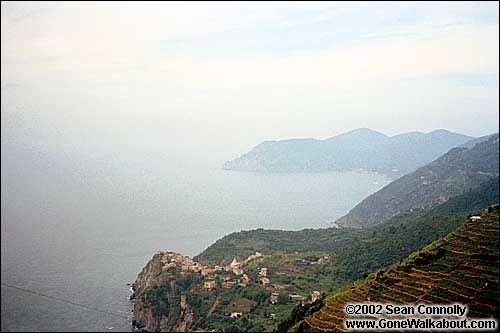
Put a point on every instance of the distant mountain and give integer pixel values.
(452, 174)
(461, 267)
(361, 149)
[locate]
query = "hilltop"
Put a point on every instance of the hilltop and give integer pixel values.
(460, 267)
(361, 149)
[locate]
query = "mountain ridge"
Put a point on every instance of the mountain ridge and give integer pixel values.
(359, 149)
(449, 175)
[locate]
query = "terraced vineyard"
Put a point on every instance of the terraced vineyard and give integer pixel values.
(460, 267)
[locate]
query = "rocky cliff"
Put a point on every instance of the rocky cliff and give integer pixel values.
(159, 301)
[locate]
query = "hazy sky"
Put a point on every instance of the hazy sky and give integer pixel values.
(221, 77)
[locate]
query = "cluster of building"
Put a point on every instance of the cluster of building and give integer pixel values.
(185, 264)
(171, 259)
(234, 267)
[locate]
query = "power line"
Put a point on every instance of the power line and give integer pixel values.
(63, 300)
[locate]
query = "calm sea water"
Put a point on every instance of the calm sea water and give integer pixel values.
(80, 227)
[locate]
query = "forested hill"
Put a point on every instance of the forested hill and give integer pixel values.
(461, 267)
(454, 173)
(360, 149)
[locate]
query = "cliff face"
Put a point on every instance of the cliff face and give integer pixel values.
(159, 303)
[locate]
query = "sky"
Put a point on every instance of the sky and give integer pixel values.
(218, 78)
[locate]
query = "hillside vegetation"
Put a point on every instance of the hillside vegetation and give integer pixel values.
(460, 267)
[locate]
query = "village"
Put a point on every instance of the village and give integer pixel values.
(234, 274)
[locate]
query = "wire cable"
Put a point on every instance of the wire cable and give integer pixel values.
(64, 301)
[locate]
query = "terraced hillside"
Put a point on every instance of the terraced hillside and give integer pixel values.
(460, 267)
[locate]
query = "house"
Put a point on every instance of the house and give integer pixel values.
(264, 281)
(217, 268)
(243, 281)
(195, 267)
(252, 257)
(165, 259)
(263, 271)
(297, 297)
(206, 270)
(234, 264)
(273, 315)
(302, 262)
(475, 218)
(274, 298)
(171, 264)
(228, 284)
(209, 284)
(245, 278)
(237, 271)
(315, 295)
(236, 314)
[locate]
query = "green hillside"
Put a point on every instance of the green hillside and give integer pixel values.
(460, 267)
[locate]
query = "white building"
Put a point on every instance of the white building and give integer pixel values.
(315, 295)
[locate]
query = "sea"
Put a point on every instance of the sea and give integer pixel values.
(77, 227)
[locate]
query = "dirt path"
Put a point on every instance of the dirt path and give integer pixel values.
(212, 309)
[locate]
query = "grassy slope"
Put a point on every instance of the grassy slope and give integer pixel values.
(460, 267)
